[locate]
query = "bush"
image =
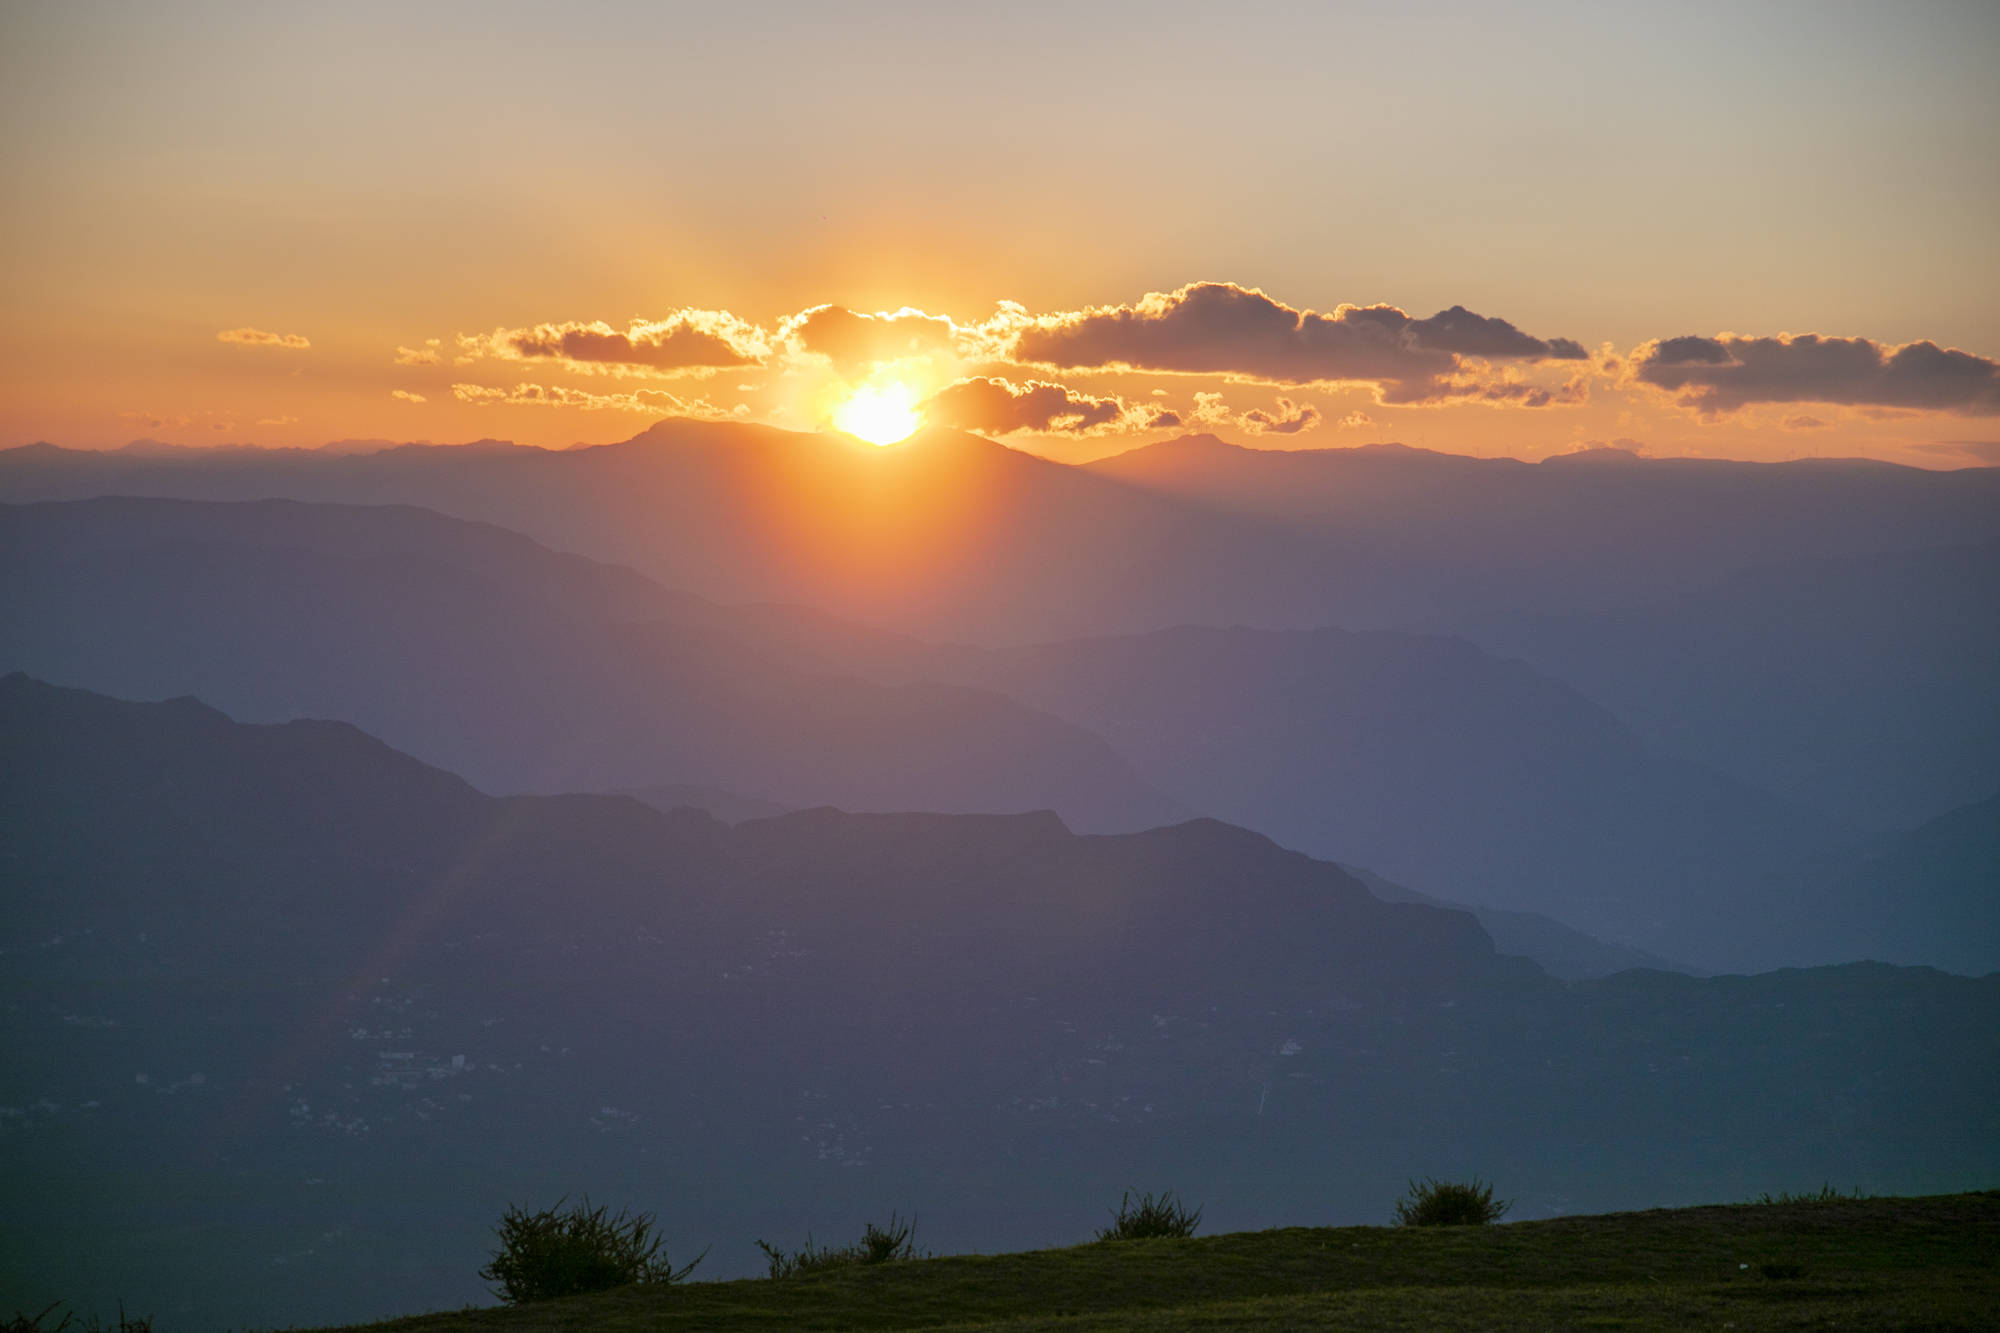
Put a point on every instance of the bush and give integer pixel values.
(1445, 1203)
(1825, 1194)
(22, 1323)
(1150, 1217)
(878, 1245)
(554, 1253)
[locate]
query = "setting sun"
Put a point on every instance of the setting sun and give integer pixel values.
(879, 414)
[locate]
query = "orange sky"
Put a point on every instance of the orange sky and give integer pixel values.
(236, 223)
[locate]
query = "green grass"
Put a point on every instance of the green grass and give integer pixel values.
(1929, 1264)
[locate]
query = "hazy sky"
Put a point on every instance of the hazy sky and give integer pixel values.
(1622, 185)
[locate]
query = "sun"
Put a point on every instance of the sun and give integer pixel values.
(879, 413)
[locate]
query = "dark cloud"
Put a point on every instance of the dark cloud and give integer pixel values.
(1459, 330)
(1724, 373)
(1223, 329)
(681, 343)
(1289, 418)
(850, 338)
(989, 406)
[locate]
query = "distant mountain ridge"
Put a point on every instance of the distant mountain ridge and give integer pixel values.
(1468, 777)
(952, 536)
(520, 668)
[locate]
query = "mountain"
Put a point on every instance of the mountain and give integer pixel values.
(1550, 945)
(1470, 777)
(291, 1017)
(1472, 538)
(947, 534)
(519, 668)
(1557, 949)
(1929, 894)
(951, 536)
(1867, 686)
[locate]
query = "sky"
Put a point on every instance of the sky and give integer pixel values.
(1751, 231)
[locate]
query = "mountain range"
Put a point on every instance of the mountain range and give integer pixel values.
(293, 1016)
(1467, 777)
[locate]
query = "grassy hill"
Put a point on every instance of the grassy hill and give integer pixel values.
(1882, 1264)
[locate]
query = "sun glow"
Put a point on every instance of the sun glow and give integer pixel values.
(879, 413)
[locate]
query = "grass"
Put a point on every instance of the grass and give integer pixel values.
(1929, 1264)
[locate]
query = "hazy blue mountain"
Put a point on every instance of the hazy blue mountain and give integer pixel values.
(1593, 531)
(519, 668)
(1867, 686)
(1460, 774)
(1473, 776)
(948, 534)
(1469, 777)
(952, 536)
(1929, 894)
(291, 1017)
(1559, 950)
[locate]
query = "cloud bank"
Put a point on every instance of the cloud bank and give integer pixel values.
(988, 405)
(1219, 328)
(657, 402)
(685, 341)
(1727, 372)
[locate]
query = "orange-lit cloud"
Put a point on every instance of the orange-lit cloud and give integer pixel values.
(1289, 418)
(406, 396)
(685, 341)
(1721, 374)
(249, 337)
(850, 339)
(989, 405)
(427, 355)
(655, 401)
(1223, 329)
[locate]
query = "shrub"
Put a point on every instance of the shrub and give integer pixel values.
(22, 1323)
(1446, 1203)
(878, 1245)
(554, 1252)
(1824, 1194)
(1150, 1217)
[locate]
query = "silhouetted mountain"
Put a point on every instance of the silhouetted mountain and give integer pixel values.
(1867, 686)
(519, 668)
(1557, 949)
(946, 533)
(290, 1018)
(1930, 895)
(1467, 776)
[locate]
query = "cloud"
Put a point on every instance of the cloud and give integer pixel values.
(427, 355)
(1986, 452)
(406, 396)
(656, 401)
(851, 339)
(1216, 328)
(1726, 372)
(1355, 420)
(993, 406)
(1290, 418)
(249, 337)
(277, 421)
(1802, 423)
(685, 341)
